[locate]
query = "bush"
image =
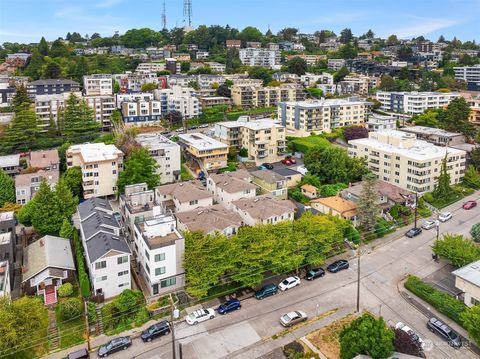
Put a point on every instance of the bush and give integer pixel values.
(352, 234)
(92, 313)
(458, 250)
(475, 232)
(382, 227)
(428, 197)
(298, 196)
(65, 290)
(70, 308)
(329, 190)
(444, 303)
(291, 349)
(243, 152)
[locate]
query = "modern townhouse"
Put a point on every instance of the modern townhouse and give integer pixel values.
(248, 96)
(165, 152)
(210, 220)
(107, 253)
(414, 102)
(47, 107)
(260, 57)
(317, 116)
(10, 164)
(311, 79)
(132, 97)
(100, 166)
(309, 59)
(98, 85)
(228, 187)
(182, 197)
(103, 107)
(399, 158)
(158, 250)
(378, 122)
(434, 135)
(141, 112)
(28, 184)
(138, 79)
(51, 87)
(264, 210)
(469, 74)
(270, 183)
(208, 153)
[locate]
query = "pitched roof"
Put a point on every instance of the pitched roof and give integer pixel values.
(264, 207)
(286, 172)
(209, 219)
(25, 179)
(41, 159)
(233, 182)
(309, 188)
(344, 207)
(48, 251)
(184, 191)
(386, 189)
(103, 242)
(87, 207)
(267, 176)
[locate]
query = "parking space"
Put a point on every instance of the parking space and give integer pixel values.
(444, 280)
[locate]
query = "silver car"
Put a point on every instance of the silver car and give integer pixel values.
(428, 224)
(292, 318)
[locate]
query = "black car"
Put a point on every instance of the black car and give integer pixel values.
(79, 354)
(315, 273)
(156, 330)
(437, 326)
(338, 266)
(413, 232)
(113, 346)
(268, 166)
(266, 291)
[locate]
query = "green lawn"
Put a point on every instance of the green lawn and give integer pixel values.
(71, 332)
(184, 174)
(303, 144)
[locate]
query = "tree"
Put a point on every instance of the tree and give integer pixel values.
(174, 118)
(250, 33)
(43, 47)
(81, 68)
(456, 118)
(21, 133)
(367, 209)
(7, 189)
(392, 40)
(387, 83)
(70, 308)
(429, 118)
(184, 66)
(366, 335)
(148, 87)
(471, 178)
(261, 73)
(58, 49)
(404, 53)
(21, 101)
(370, 34)
(346, 36)
(471, 321)
(224, 91)
(141, 38)
(95, 35)
(66, 201)
(24, 321)
(347, 51)
(340, 74)
(355, 133)
(457, 249)
(116, 87)
(442, 189)
(475, 232)
(406, 344)
(34, 68)
(139, 167)
(287, 34)
(79, 124)
(475, 157)
(52, 71)
(66, 231)
(441, 39)
(297, 66)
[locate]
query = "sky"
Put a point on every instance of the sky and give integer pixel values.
(27, 21)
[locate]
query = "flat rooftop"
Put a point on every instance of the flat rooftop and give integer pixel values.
(470, 273)
(431, 131)
(201, 141)
(155, 141)
(96, 152)
(10, 161)
(326, 103)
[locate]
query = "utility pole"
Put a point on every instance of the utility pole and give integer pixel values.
(437, 224)
(174, 354)
(358, 277)
(87, 327)
(416, 207)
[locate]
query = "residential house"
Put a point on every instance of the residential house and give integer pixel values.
(182, 197)
(7, 222)
(215, 66)
(107, 253)
(467, 279)
(264, 210)
(208, 153)
(228, 187)
(336, 64)
(235, 44)
(7, 260)
(47, 160)
(28, 184)
(309, 191)
(336, 206)
(51, 87)
(270, 183)
(378, 122)
(10, 164)
(292, 177)
(47, 264)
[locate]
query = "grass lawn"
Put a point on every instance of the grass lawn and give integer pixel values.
(184, 174)
(303, 144)
(235, 114)
(71, 332)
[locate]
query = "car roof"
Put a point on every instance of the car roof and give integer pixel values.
(232, 300)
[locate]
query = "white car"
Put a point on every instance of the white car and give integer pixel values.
(289, 319)
(428, 224)
(445, 216)
(410, 332)
(288, 283)
(200, 315)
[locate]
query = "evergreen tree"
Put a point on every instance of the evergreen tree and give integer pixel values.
(58, 49)
(7, 189)
(369, 34)
(66, 202)
(456, 118)
(34, 68)
(43, 211)
(441, 39)
(20, 100)
(43, 47)
(346, 36)
(367, 209)
(78, 121)
(81, 68)
(66, 231)
(139, 167)
(52, 71)
(73, 180)
(442, 188)
(20, 135)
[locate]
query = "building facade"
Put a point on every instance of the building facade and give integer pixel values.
(209, 153)
(260, 57)
(414, 102)
(98, 85)
(51, 87)
(247, 96)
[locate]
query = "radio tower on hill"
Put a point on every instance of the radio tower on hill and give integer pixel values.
(187, 13)
(164, 17)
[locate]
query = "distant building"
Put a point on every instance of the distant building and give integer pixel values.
(103, 107)
(51, 87)
(469, 74)
(10, 164)
(309, 191)
(336, 64)
(210, 154)
(216, 66)
(260, 57)
(236, 44)
(47, 107)
(248, 96)
(414, 102)
(309, 59)
(378, 122)
(98, 85)
(5, 280)
(436, 136)
(28, 184)
(210, 101)
(264, 210)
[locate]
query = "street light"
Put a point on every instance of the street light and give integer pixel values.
(437, 225)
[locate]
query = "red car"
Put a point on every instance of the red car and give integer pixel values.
(469, 204)
(291, 159)
(286, 162)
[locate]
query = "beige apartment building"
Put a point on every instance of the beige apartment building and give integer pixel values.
(210, 154)
(264, 139)
(362, 84)
(317, 116)
(247, 96)
(100, 166)
(399, 158)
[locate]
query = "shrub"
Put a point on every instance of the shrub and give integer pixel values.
(70, 308)
(65, 290)
(382, 227)
(298, 196)
(352, 234)
(92, 312)
(243, 152)
(444, 303)
(329, 190)
(475, 232)
(458, 250)
(428, 197)
(291, 349)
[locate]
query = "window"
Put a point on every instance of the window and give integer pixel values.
(123, 285)
(114, 172)
(159, 270)
(101, 265)
(125, 272)
(147, 268)
(193, 202)
(101, 279)
(147, 255)
(159, 257)
(474, 301)
(168, 282)
(123, 259)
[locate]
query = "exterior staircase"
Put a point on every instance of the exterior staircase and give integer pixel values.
(99, 323)
(50, 295)
(53, 337)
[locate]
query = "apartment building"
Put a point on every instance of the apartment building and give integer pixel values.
(311, 79)
(141, 112)
(107, 253)
(264, 210)
(100, 166)
(209, 154)
(436, 136)
(98, 85)
(132, 97)
(210, 101)
(309, 59)
(103, 107)
(188, 106)
(28, 184)
(158, 250)
(216, 66)
(361, 84)
(228, 187)
(271, 183)
(264, 139)
(47, 107)
(414, 102)
(317, 116)
(248, 96)
(10, 164)
(378, 122)
(235, 44)
(260, 57)
(469, 74)
(336, 64)
(165, 152)
(51, 87)
(182, 196)
(155, 67)
(399, 158)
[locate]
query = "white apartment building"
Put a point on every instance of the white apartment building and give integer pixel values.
(98, 85)
(264, 209)
(216, 66)
(103, 107)
(399, 158)
(304, 117)
(100, 166)
(48, 106)
(159, 248)
(336, 64)
(260, 57)
(414, 102)
(311, 79)
(209, 153)
(378, 122)
(469, 74)
(188, 106)
(141, 112)
(151, 67)
(362, 84)
(165, 152)
(248, 96)
(132, 97)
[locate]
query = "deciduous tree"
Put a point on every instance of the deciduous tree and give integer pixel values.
(355, 132)
(52, 71)
(457, 249)
(471, 322)
(297, 66)
(139, 167)
(368, 210)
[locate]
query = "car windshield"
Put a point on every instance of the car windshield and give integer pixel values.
(151, 330)
(286, 318)
(285, 282)
(109, 346)
(452, 335)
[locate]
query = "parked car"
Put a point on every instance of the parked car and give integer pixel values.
(205, 125)
(291, 159)
(445, 216)
(286, 162)
(229, 306)
(413, 232)
(288, 283)
(413, 335)
(469, 205)
(428, 224)
(200, 315)
(292, 318)
(261, 168)
(338, 266)
(302, 169)
(156, 330)
(268, 166)
(438, 327)
(315, 273)
(113, 346)
(266, 291)
(79, 354)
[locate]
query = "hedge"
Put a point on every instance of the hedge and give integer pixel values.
(441, 301)
(82, 274)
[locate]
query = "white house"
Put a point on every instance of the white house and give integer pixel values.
(264, 210)
(232, 186)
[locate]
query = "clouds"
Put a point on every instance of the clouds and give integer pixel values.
(108, 3)
(423, 26)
